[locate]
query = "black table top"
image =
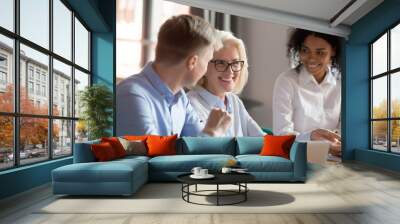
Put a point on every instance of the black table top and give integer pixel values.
(220, 178)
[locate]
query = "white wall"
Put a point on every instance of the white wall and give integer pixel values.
(266, 48)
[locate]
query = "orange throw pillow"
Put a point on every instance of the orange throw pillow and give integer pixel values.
(135, 137)
(103, 152)
(116, 145)
(161, 145)
(277, 145)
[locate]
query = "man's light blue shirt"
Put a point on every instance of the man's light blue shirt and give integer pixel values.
(146, 105)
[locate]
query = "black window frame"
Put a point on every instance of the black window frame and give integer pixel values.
(16, 115)
(388, 74)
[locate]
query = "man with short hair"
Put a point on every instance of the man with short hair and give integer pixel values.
(153, 101)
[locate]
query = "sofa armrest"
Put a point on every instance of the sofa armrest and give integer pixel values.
(298, 155)
(83, 152)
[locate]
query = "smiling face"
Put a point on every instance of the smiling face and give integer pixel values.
(218, 81)
(315, 55)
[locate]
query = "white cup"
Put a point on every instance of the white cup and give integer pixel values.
(203, 172)
(226, 170)
(196, 170)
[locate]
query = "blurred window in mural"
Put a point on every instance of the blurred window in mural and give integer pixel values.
(385, 91)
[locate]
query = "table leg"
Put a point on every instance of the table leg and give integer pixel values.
(245, 191)
(217, 194)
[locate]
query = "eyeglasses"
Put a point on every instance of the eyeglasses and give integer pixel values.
(222, 65)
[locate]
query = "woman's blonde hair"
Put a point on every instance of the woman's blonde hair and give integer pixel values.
(226, 37)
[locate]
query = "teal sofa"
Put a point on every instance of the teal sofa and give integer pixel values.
(125, 176)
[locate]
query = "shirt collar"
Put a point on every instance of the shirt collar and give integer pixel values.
(160, 85)
(213, 100)
(306, 78)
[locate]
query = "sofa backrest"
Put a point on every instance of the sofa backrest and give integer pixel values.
(206, 145)
(83, 152)
(249, 145)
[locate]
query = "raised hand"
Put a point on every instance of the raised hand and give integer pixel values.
(218, 122)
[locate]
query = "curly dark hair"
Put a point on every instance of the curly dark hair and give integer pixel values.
(296, 41)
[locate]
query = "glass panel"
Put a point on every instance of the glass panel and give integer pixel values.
(395, 47)
(395, 136)
(62, 138)
(34, 79)
(81, 81)
(152, 51)
(62, 29)
(35, 21)
(379, 135)
(129, 19)
(395, 95)
(7, 14)
(62, 89)
(129, 37)
(163, 10)
(6, 142)
(6, 74)
(379, 98)
(81, 131)
(379, 55)
(33, 139)
(129, 63)
(81, 45)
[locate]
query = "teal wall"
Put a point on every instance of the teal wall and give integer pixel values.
(104, 52)
(356, 99)
(99, 16)
(24, 178)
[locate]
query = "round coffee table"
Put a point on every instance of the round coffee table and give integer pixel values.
(238, 179)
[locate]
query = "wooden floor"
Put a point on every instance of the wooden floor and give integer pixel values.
(378, 188)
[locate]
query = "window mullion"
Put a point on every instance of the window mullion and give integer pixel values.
(371, 92)
(16, 84)
(73, 82)
(50, 81)
(389, 106)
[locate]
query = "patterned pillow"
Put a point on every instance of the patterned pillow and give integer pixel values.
(133, 147)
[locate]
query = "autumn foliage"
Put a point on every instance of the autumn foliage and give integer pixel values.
(33, 131)
(380, 127)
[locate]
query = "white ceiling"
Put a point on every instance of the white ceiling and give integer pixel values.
(321, 9)
(307, 14)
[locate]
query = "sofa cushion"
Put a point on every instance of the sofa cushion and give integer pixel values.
(103, 152)
(134, 147)
(185, 163)
(83, 152)
(112, 171)
(161, 145)
(206, 145)
(277, 145)
(131, 158)
(136, 137)
(249, 145)
(116, 145)
(257, 163)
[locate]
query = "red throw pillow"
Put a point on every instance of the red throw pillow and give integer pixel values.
(116, 145)
(161, 145)
(103, 152)
(277, 145)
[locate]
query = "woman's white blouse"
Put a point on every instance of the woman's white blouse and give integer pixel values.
(242, 123)
(301, 105)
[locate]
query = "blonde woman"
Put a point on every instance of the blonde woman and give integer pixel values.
(226, 76)
(153, 101)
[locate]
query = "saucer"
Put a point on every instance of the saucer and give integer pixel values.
(208, 176)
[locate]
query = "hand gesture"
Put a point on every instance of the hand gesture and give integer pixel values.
(218, 122)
